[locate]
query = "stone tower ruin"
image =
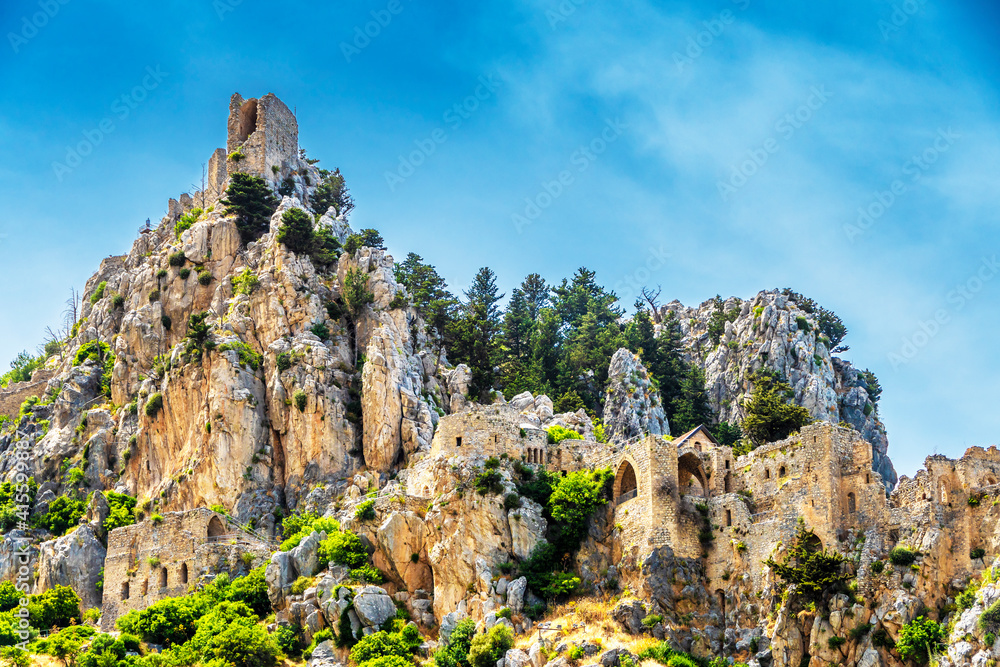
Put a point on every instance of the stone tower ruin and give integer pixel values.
(265, 133)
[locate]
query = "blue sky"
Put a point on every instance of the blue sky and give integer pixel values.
(740, 139)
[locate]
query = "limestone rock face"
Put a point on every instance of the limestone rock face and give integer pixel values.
(73, 560)
(632, 406)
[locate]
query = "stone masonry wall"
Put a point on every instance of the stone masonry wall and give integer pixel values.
(153, 560)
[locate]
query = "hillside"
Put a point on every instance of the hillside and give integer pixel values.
(261, 434)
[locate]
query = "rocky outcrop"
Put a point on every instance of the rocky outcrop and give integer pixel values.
(75, 560)
(771, 330)
(632, 406)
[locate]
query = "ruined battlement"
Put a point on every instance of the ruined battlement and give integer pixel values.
(152, 560)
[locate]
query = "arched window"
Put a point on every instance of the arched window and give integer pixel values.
(868, 478)
(163, 577)
(781, 471)
(184, 573)
(626, 486)
(248, 120)
(125, 591)
(851, 504)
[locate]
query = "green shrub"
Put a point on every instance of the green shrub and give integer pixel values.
(973, 501)
(486, 649)
(652, 620)
(117, 302)
(978, 552)
(365, 511)
(877, 567)
(245, 282)
(57, 607)
(368, 238)
(342, 548)
(99, 292)
(511, 501)
(803, 323)
(332, 191)
(990, 619)
(300, 585)
(575, 653)
(505, 613)
(153, 405)
(284, 361)
(204, 277)
(321, 331)
(809, 567)
(488, 481)
(290, 640)
(64, 513)
(920, 639)
(902, 556)
(177, 259)
(184, 274)
(246, 354)
(835, 642)
(299, 397)
(121, 514)
(368, 574)
(557, 434)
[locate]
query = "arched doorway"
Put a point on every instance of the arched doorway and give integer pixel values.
(215, 527)
(184, 573)
(626, 485)
(852, 505)
(691, 477)
(163, 577)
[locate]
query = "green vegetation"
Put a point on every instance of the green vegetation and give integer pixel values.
(367, 238)
(99, 292)
(250, 199)
(559, 433)
(122, 510)
(332, 191)
(153, 405)
(197, 340)
(811, 569)
(365, 511)
(245, 282)
(296, 230)
(185, 222)
(770, 414)
(13, 496)
(300, 398)
(176, 259)
(246, 354)
(920, 639)
(64, 513)
(21, 369)
(902, 556)
(100, 353)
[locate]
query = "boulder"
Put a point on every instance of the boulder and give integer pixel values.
(73, 560)
(515, 657)
(515, 595)
(374, 606)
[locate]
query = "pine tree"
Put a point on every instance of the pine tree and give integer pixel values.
(477, 342)
(770, 415)
(250, 199)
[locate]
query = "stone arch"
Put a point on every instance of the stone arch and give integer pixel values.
(215, 527)
(626, 484)
(852, 504)
(248, 120)
(944, 492)
(781, 472)
(689, 467)
(184, 573)
(989, 481)
(163, 577)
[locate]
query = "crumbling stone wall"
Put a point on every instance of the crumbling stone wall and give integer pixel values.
(153, 560)
(264, 131)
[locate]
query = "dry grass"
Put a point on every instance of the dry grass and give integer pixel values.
(593, 615)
